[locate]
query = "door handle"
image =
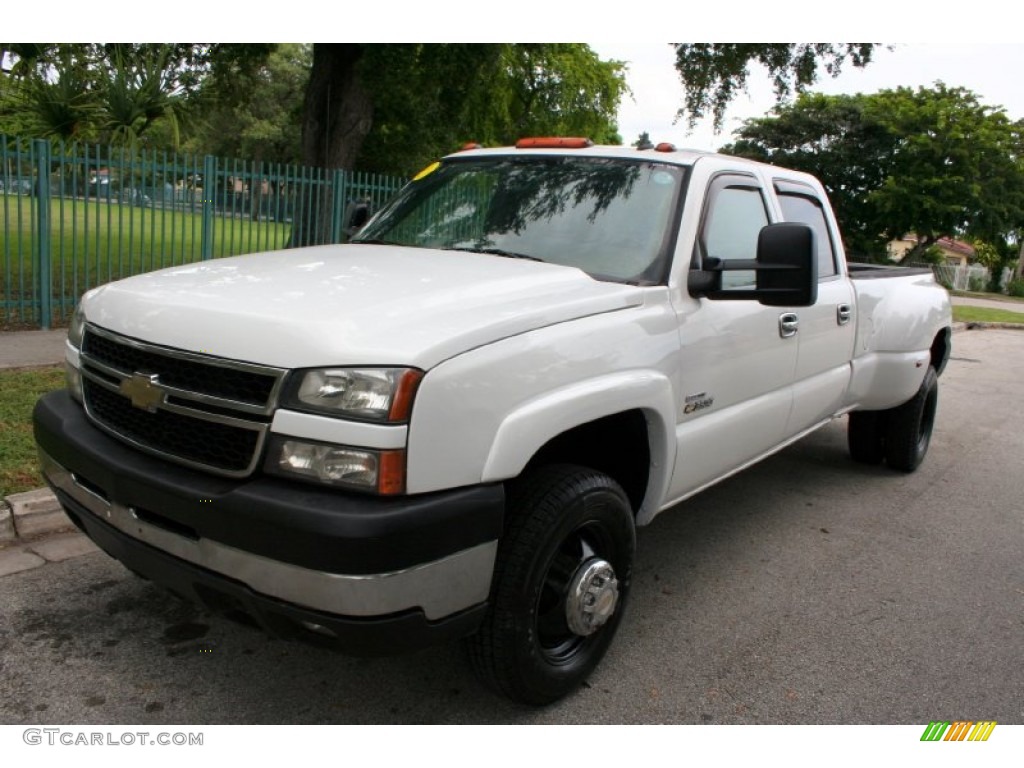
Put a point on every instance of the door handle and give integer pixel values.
(788, 322)
(843, 314)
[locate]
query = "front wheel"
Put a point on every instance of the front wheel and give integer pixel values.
(560, 584)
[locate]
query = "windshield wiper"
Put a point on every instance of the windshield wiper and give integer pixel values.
(373, 242)
(498, 252)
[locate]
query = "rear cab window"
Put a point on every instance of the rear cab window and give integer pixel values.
(801, 204)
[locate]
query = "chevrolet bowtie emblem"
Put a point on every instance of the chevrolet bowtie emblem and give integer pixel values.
(143, 390)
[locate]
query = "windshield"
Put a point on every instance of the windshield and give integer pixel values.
(610, 218)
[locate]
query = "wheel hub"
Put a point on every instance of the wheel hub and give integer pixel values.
(592, 597)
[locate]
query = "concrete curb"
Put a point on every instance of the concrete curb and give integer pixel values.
(7, 532)
(31, 515)
(977, 324)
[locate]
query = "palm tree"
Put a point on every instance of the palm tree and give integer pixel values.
(116, 93)
(136, 92)
(47, 90)
(63, 107)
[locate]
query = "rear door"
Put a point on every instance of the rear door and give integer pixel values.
(827, 329)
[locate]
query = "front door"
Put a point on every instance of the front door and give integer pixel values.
(738, 358)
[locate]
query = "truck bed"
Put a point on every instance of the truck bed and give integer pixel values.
(863, 271)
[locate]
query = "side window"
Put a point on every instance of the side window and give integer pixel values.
(807, 210)
(733, 219)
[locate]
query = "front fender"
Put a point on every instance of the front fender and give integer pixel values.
(481, 416)
(535, 423)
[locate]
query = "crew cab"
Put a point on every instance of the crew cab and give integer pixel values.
(452, 426)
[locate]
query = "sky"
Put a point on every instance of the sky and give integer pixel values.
(990, 70)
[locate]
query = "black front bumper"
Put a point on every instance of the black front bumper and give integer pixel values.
(300, 528)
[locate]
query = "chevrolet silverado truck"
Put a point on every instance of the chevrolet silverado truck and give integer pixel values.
(452, 426)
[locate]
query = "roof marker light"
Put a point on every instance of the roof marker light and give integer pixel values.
(665, 147)
(554, 142)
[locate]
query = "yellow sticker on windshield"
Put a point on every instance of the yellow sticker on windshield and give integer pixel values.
(427, 171)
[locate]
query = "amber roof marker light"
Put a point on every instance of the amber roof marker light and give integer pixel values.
(554, 142)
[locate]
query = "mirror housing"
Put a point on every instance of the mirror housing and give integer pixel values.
(786, 270)
(357, 213)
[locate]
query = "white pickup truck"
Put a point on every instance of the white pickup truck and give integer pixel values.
(453, 425)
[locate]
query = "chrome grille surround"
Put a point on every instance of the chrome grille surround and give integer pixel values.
(207, 407)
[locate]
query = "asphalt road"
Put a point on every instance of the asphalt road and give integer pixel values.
(807, 589)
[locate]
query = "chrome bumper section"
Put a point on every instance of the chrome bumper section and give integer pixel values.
(439, 588)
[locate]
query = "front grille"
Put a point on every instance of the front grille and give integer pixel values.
(207, 412)
(218, 446)
(229, 383)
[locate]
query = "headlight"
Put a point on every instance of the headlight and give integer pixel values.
(73, 381)
(357, 468)
(371, 394)
(73, 376)
(77, 328)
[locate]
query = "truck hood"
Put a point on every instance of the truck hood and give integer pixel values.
(349, 304)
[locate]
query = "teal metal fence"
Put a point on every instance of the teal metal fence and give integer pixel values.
(74, 216)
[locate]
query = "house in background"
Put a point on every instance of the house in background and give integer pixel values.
(956, 253)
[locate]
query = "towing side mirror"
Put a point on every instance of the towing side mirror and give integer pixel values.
(785, 270)
(357, 213)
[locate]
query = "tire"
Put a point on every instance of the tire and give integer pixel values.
(542, 635)
(909, 426)
(865, 436)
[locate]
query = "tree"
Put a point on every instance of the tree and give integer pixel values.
(46, 91)
(714, 73)
(955, 168)
(828, 136)
(136, 91)
(114, 92)
(254, 112)
(393, 108)
(557, 89)
(60, 105)
(933, 162)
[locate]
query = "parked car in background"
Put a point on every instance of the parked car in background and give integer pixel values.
(15, 185)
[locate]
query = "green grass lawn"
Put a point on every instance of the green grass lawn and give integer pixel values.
(965, 314)
(19, 390)
(95, 242)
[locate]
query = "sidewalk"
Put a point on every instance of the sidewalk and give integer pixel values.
(27, 349)
(49, 549)
(971, 301)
